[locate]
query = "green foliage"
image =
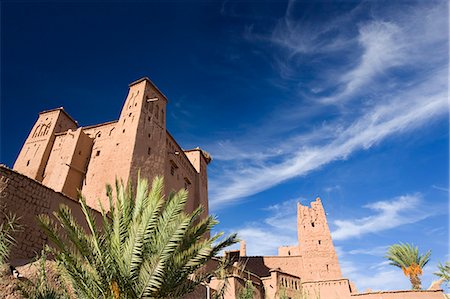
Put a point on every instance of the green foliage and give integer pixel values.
(7, 229)
(444, 272)
(406, 257)
(41, 288)
(298, 294)
(247, 291)
(223, 271)
(147, 247)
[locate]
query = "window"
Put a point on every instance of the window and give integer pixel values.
(129, 115)
(149, 151)
(123, 131)
(173, 166)
(312, 224)
(79, 152)
(187, 183)
(327, 268)
(149, 118)
(97, 154)
(319, 242)
(28, 162)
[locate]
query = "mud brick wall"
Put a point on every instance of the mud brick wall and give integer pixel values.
(27, 198)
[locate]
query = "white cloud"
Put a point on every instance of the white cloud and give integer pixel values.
(284, 215)
(388, 214)
(380, 275)
(375, 251)
(424, 103)
(440, 188)
(384, 277)
(392, 83)
(263, 240)
(384, 48)
(279, 228)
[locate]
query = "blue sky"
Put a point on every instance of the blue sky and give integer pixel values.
(344, 100)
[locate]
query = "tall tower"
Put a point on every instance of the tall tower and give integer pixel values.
(315, 244)
(34, 155)
(136, 141)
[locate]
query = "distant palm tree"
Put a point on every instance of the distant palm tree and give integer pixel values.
(406, 256)
(444, 272)
(147, 246)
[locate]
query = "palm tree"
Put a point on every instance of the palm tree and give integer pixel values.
(406, 256)
(147, 247)
(7, 228)
(444, 272)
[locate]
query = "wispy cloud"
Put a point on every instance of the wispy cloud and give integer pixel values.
(260, 241)
(383, 48)
(386, 82)
(375, 251)
(388, 214)
(426, 102)
(381, 275)
(440, 188)
(279, 226)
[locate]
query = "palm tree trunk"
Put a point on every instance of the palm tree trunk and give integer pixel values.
(415, 282)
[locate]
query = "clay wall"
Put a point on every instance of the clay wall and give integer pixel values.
(407, 294)
(36, 150)
(150, 149)
(329, 289)
(180, 173)
(315, 244)
(28, 198)
(235, 284)
(66, 167)
(133, 143)
(261, 265)
(101, 157)
(288, 250)
(286, 285)
(200, 163)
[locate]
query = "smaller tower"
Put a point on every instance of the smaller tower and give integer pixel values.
(34, 155)
(243, 248)
(315, 244)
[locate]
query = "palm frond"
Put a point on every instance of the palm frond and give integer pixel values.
(147, 245)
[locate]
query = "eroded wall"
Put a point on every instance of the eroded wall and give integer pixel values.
(330, 289)
(316, 247)
(27, 198)
(407, 294)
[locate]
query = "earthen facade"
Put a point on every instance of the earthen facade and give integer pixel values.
(67, 158)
